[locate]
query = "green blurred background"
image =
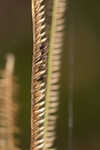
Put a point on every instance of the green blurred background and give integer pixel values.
(78, 125)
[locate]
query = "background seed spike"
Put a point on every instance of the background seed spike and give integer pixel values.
(54, 65)
(8, 107)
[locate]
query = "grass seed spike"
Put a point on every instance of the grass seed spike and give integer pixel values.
(54, 66)
(39, 70)
(8, 107)
(46, 71)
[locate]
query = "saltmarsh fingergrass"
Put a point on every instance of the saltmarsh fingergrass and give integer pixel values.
(46, 64)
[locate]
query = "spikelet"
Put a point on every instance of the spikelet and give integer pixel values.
(49, 9)
(54, 64)
(39, 71)
(7, 106)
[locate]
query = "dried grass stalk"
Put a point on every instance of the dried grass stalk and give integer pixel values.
(39, 71)
(46, 71)
(8, 107)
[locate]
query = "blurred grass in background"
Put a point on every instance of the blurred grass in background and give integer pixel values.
(80, 66)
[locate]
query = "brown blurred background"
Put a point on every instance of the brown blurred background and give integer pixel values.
(80, 81)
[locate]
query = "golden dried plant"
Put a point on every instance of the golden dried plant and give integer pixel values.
(39, 69)
(8, 106)
(46, 66)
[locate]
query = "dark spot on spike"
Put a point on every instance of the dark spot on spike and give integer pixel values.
(42, 46)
